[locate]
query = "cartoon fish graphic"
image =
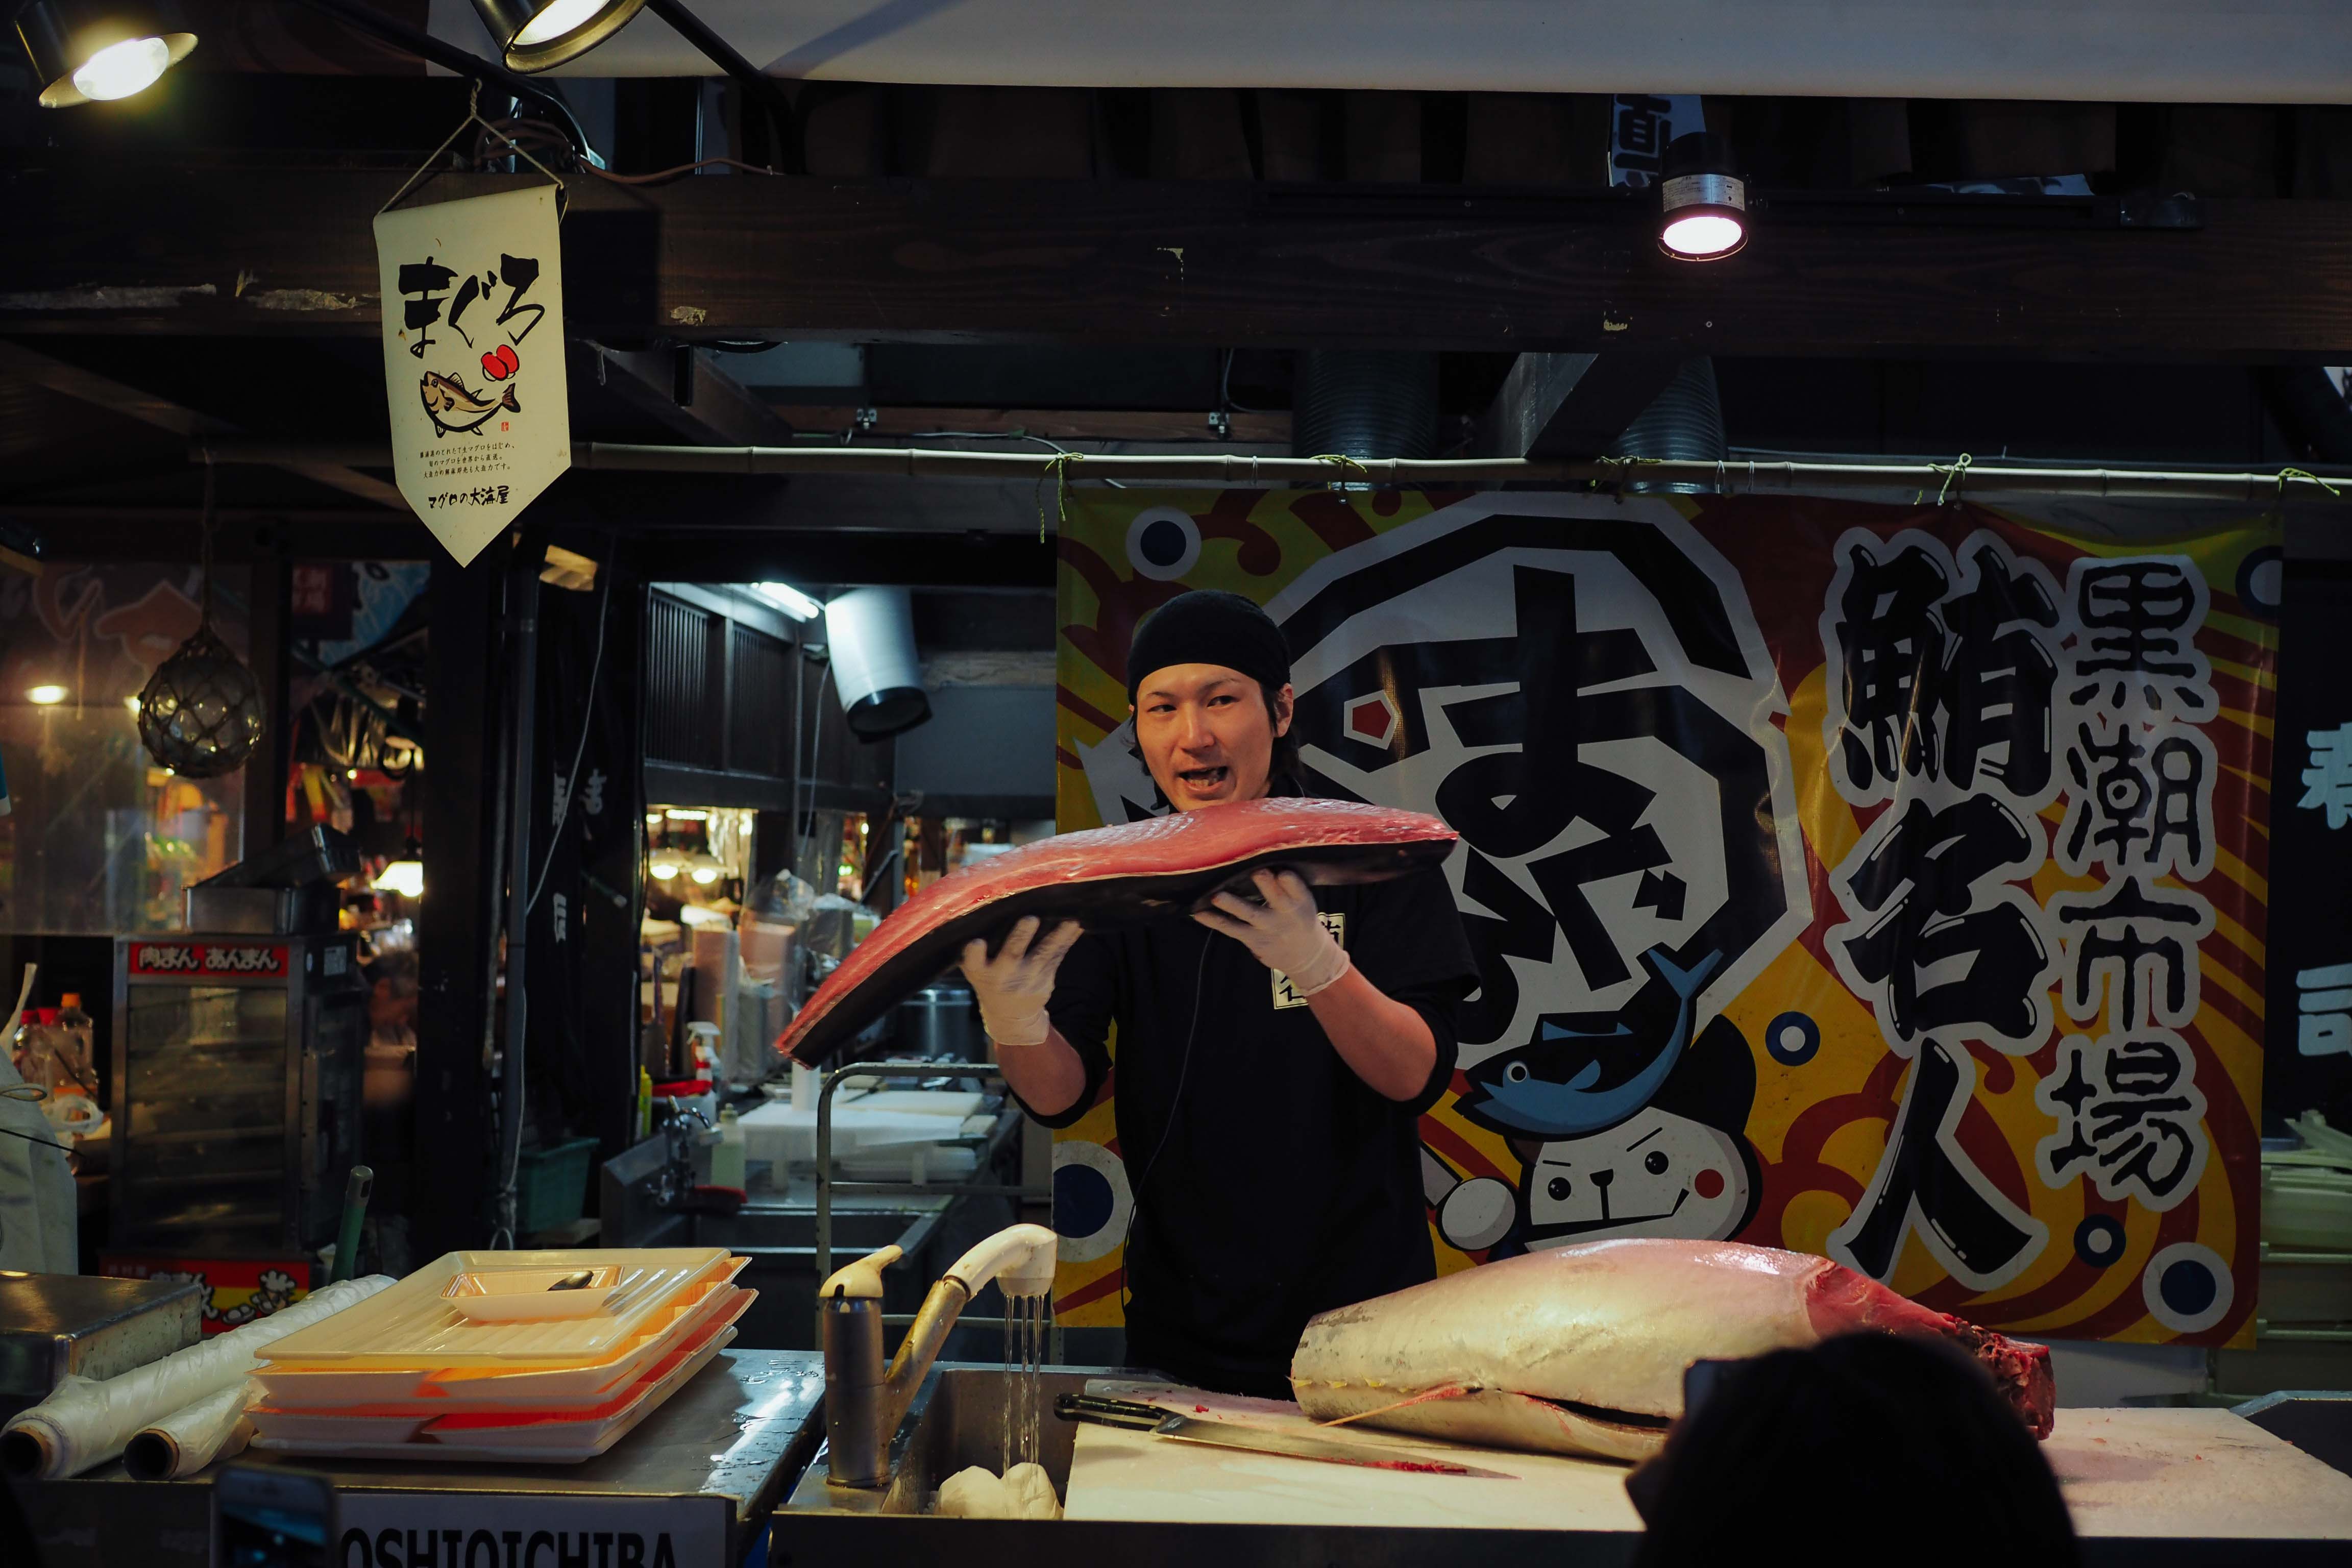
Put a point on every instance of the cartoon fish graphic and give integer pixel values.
(1548, 1087)
(452, 407)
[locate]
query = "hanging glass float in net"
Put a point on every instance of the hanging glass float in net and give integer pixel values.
(201, 712)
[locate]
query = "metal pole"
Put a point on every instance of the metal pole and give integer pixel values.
(523, 715)
(823, 1263)
(758, 85)
(2329, 485)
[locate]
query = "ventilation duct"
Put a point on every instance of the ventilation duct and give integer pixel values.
(872, 635)
(1364, 403)
(1685, 423)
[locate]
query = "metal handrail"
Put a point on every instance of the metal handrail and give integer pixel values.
(826, 1186)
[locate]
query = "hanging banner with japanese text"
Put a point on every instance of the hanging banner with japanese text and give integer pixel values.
(473, 359)
(1881, 882)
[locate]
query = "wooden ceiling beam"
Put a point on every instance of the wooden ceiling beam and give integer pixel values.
(87, 386)
(263, 251)
(681, 390)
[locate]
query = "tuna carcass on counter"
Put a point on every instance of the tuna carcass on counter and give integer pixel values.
(1108, 875)
(1582, 1349)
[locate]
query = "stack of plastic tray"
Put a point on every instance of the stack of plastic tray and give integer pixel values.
(532, 1357)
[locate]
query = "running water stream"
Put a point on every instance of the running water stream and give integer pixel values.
(1024, 1355)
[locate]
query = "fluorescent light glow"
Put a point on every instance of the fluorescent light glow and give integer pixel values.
(664, 870)
(1703, 234)
(705, 875)
(121, 69)
(557, 18)
(789, 600)
(405, 878)
(677, 814)
(696, 915)
(45, 696)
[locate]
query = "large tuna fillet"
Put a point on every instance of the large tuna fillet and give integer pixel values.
(1582, 1349)
(1109, 876)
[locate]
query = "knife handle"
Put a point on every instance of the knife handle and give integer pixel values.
(1101, 1411)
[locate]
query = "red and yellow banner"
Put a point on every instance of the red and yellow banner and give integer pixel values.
(1880, 882)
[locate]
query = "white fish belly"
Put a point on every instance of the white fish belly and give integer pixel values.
(1580, 1349)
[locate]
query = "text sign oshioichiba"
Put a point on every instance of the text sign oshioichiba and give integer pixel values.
(1882, 882)
(473, 359)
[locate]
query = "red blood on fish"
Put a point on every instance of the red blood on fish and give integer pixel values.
(1840, 1302)
(1164, 866)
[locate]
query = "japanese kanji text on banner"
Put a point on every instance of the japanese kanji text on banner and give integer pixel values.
(473, 359)
(1881, 882)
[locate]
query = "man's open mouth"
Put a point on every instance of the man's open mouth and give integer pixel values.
(1203, 779)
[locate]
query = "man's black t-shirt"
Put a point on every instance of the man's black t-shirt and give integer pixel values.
(1270, 1182)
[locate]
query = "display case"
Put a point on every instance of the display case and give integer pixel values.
(238, 1067)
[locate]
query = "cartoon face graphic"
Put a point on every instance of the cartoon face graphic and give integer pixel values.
(1677, 1165)
(1655, 1173)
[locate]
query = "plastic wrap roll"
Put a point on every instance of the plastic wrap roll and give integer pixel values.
(85, 1421)
(187, 1440)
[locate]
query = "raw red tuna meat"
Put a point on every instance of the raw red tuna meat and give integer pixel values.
(1109, 876)
(1581, 1349)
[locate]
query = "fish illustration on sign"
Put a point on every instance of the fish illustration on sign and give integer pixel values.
(452, 407)
(1552, 1087)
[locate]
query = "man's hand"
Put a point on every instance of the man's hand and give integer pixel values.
(1014, 986)
(1286, 933)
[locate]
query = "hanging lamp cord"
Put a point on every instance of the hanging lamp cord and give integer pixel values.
(205, 605)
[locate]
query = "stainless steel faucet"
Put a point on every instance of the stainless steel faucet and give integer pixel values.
(863, 1403)
(677, 1172)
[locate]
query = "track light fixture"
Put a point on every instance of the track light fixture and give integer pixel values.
(540, 34)
(88, 51)
(1703, 206)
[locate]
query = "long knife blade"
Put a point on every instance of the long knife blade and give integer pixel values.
(1306, 1445)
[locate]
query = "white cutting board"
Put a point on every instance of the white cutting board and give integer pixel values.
(1118, 1474)
(2124, 1472)
(2195, 1473)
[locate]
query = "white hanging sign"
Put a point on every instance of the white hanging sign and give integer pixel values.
(473, 360)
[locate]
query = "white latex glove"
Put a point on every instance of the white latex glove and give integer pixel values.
(1014, 987)
(1287, 934)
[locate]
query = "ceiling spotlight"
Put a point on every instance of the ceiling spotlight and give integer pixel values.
(88, 51)
(1703, 206)
(663, 870)
(705, 875)
(45, 696)
(789, 600)
(539, 34)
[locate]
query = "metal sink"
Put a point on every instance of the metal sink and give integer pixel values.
(956, 1421)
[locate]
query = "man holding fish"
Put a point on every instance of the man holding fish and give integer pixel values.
(1274, 1053)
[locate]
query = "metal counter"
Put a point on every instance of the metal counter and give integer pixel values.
(705, 1469)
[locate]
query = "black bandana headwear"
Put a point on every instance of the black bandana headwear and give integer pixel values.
(1210, 627)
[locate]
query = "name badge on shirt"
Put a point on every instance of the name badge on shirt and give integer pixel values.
(1283, 996)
